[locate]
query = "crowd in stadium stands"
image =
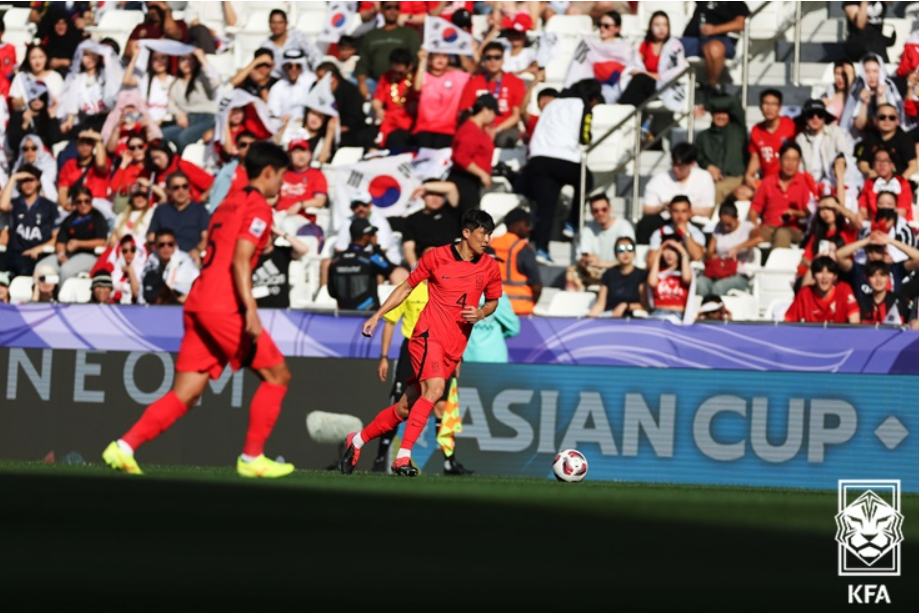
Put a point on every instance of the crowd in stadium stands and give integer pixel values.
(114, 158)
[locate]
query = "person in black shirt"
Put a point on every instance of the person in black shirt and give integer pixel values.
(864, 30)
(79, 235)
(354, 274)
(256, 78)
(32, 220)
(712, 33)
(887, 134)
(435, 225)
(622, 287)
(353, 121)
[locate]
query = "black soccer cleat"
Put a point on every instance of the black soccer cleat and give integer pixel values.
(452, 467)
(403, 467)
(379, 465)
(350, 457)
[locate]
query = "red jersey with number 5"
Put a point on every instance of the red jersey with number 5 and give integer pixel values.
(453, 283)
(243, 215)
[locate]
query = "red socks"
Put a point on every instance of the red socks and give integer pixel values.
(263, 412)
(386, 420)
(417, 418)
(157, 418)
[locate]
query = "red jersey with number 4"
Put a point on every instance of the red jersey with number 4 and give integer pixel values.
(244, 215)
(452, 284)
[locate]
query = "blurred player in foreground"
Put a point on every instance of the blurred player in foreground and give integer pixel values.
(458, 275)
(222, 325)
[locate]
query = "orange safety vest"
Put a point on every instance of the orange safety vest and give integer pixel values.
(506, 247)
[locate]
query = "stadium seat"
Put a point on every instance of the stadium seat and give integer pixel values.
(347, 155)
(742, 306)
(774, 281)
(311, 17)
(223, 64)
(21, 289)
(555, 72)
(641, 255)
(776, 309)
(578, 25)
(323, 301)
(75, 290)
(609, 153)
(195, 153)
(498, 204)
(384, 290)
(116, 24)
(16, 19)
(567, 304)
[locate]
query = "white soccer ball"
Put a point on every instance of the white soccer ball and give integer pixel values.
(570, 466)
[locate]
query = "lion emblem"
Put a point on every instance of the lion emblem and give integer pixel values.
(869, 527)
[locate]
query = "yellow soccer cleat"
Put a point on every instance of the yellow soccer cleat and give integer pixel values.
(262, 467)
(119, 460)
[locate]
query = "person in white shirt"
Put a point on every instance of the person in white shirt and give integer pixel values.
(287, 96)
(555, 160)
(597, 241)
(827, 155)
(685, 178)
(283, 38)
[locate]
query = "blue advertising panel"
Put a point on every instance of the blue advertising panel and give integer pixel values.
(686, 426)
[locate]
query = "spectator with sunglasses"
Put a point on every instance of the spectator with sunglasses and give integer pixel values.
(623, 286)
(80, 234)
(169, 272)
(32, 151)
(130, 167)
(32, 220)
(597, 241)
(827, 155)
(377, 44)
(187, 219)
(135, 220)
(232, 176)
(508, 89)
(887, 134)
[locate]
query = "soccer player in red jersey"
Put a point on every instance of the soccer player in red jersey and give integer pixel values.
(457, 274)
(222, 324)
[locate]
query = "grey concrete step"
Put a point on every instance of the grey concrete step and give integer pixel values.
(791, 95)
(810, 52)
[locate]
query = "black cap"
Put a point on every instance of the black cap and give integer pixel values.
(816, 106)
(361, 227)
(461, 18)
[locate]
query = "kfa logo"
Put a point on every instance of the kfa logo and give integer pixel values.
(869, 528)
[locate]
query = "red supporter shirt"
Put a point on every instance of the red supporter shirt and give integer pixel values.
(646, 51)
(199, 178)
(766, 144)
(125, 177)
(301, 186)
(472, 144)
(508, 89)
(868, 199)
(245, 215)
(397, 116)
(452, 284)
(8, 67)
(770, 201)
(240, 179)
(439, 102)
(836, 308)
(671, 292)
(97, 182)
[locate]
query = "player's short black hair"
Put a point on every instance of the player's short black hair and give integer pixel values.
(263, 154)
(473, 219)
(245, 134)
(163, 232)
(824, 262)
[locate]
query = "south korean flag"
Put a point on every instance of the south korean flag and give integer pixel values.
(441, 36)
(339, 20)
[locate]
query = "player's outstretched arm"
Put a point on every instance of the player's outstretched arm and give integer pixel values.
(242, 280)
(396, 298)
